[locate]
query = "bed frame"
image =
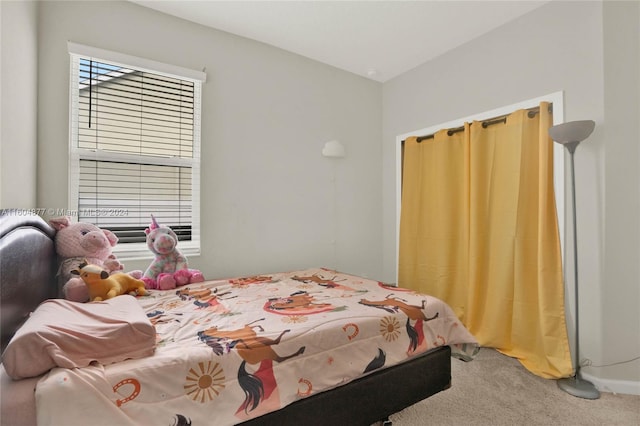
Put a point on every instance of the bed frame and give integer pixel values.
(28, 267)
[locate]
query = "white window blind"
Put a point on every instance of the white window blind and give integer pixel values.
(134, 148)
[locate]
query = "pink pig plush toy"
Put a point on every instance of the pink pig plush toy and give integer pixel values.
(169, 267)
(76, 242)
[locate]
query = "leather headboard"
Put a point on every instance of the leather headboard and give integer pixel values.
(28, 265)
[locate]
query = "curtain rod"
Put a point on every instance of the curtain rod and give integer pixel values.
(531, 112)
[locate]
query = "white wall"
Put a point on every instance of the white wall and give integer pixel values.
(18, 91)
(558, 47)
(270, 201)
(621, 284)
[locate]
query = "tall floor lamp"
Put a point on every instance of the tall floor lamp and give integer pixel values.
(570, 135)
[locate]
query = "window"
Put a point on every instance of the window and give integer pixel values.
(135, 147)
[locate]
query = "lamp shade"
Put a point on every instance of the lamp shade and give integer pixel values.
(572, 131)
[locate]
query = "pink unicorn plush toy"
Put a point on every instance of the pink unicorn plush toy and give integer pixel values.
(169, 267)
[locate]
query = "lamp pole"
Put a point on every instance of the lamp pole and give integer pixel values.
(570, 135)
(571, 147)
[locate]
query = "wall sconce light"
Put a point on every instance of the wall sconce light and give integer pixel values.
(333, 149)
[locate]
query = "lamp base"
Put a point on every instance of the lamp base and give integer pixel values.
(579, 387)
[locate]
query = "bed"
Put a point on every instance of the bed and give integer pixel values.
(309, 347)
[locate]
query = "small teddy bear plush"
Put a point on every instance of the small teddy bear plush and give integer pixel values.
(103, 286)
(169, 268)
(76, 242)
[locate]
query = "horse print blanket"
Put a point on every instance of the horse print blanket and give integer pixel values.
(231, 350)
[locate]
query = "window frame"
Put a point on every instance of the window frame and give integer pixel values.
(136, 250)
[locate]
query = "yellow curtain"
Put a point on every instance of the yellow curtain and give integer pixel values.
(478, 229)
(434, 223)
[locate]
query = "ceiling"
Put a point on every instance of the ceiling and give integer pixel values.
(375, 39)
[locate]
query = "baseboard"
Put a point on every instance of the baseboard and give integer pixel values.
(613, 386)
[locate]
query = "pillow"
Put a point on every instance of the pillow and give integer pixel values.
(69, 334)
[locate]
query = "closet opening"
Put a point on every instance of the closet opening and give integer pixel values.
(556, 101)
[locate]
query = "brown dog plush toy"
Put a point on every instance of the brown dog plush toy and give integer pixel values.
(103, 286)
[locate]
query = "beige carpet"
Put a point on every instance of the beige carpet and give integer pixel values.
(494, 389)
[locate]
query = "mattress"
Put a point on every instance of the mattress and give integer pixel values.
(232, 350)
